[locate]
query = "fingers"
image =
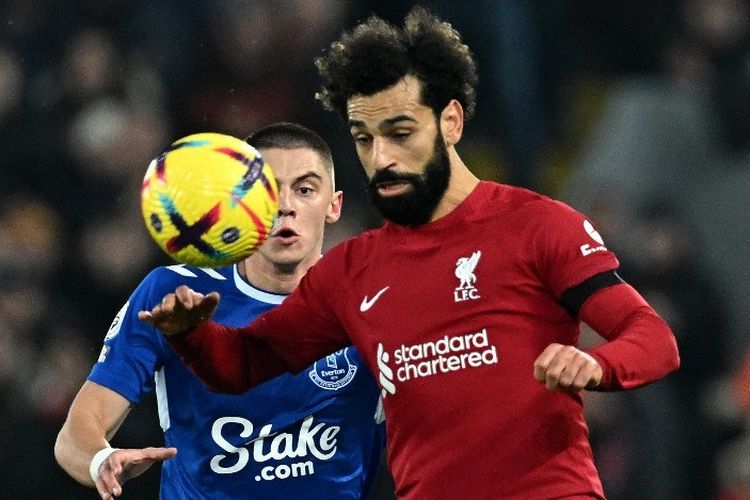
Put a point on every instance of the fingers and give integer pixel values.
(160, 311)
(168, 302)
(566, 368)
(126, 464)
(108, 484)
(542, 362)
(186, 297)
(207, 305)
(103, 490)
(146, 316)
(181, 311)
(159, 453)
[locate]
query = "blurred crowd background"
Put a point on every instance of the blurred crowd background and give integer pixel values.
(634, 112)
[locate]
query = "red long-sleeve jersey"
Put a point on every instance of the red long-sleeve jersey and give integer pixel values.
(450, 317)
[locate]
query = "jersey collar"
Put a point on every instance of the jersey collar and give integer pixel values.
(255, 293)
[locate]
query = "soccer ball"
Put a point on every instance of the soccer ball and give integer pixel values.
(209, 200)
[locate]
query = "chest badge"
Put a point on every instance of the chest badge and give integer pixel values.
(465, 273)
(334, 371)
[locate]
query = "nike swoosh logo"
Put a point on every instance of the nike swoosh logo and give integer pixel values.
(367, 304)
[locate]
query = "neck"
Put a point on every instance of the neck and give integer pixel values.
(272, 276)
(460, 186)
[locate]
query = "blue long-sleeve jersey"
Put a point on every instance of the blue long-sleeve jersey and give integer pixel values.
(314, 435)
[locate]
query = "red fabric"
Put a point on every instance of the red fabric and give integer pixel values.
(225, 361)
(641, 346)
(450, 318)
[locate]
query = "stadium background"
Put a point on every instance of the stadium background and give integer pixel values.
(633, 112)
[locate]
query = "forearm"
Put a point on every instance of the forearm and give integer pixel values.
(93, 419)
(287, 338)
(640, 346)
(227, 359)
(233, 360)
(76, 445)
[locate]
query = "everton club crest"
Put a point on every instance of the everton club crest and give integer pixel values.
(334, 371)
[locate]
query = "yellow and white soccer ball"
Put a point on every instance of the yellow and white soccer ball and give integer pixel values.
(209, 200)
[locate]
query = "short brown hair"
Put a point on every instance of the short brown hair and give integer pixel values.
(288, 135)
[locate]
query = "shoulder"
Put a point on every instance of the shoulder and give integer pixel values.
(180, 272)
(526, 200)
(524, 208)
(359, 243)
(351, 253)
(165, 279)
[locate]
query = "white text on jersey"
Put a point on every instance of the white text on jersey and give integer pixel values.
(317, 440)
(448, 354)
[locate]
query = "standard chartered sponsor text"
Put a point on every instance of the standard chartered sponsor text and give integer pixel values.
(448, 354)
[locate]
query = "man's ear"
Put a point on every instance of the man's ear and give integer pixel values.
(452, 122)
(334, 208)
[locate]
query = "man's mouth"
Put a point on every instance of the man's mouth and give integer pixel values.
(285, 235)
(388, 189)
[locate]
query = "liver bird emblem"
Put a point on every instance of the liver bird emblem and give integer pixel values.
(465, 270)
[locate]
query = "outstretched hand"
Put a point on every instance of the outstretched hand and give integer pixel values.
(126, 464)
(181, 311)
(566, 368)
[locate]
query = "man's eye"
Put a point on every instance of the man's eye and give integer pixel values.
(361, 139)
(305, 190)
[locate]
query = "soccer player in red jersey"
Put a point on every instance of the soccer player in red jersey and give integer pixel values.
(466, 304)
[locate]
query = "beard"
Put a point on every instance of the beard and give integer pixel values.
(416, 206)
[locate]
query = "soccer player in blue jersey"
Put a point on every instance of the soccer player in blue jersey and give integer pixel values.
(315, 435)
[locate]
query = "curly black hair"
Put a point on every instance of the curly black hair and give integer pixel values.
(376, 54)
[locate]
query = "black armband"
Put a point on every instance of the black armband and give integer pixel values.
(574, 297)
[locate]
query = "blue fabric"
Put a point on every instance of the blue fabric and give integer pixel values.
(312, 435)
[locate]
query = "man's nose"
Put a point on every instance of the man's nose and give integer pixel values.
(285, 204)
(381, 156)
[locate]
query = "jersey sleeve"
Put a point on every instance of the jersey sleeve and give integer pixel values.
(307, 326)
(567, 247)
(288, 338)
(640, 347)
(132, 349)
